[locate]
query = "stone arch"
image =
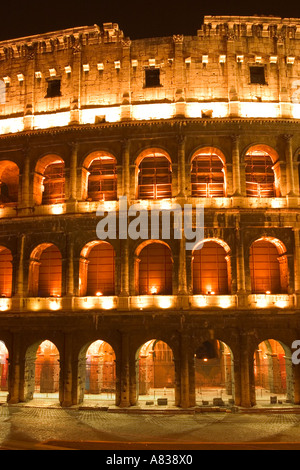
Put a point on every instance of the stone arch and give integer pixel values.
(208, 173)
(6, 272)
(97, 372)
(214, 373)
(268, 266)
(45, 271)
(4, 370)
(273, 373)
(153, 174)
(42, 370)
(153, 268)
(49, 180)
(9, 182)
(262, 171)
(99, 176)
(155, 372)
(211, 267)
(97, 269)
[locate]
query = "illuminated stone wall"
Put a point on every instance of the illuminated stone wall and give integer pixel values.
(102, 74)
(203, 105)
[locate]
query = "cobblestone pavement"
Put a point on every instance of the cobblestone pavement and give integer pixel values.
(31, 425)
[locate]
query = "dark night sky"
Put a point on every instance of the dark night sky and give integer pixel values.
(138, 19)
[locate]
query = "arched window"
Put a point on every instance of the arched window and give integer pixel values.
(260, 176)
(49, 180)
(155, 177)
(102, 179)
(45, 273)
(9, 182)
(97, 269)
(268, 268)
(210, 270)
(6, 272)
(207, 175)
(155, 269)
(54, 184)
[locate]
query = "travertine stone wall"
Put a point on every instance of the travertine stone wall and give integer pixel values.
(100, 67)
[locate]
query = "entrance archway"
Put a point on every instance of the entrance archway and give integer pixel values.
(98, 376)
(273, 373)
(42, 370)
(156, 373)
(3, 371)
(214, 376)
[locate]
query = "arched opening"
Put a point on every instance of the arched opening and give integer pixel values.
(6, 272)
(3, 372)
(214, 374)
(100, 177)
(154, 176)
(273, 373)
(97, 269)
(155, 270)
(208, 174)
(49, 180)
(211, 269)
(97, 372)
(9, 183)
(156, 373)
(42, 371)
(268, 267)
(262, 172)
(45, 271)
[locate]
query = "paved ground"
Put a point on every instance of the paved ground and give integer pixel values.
(27, 427)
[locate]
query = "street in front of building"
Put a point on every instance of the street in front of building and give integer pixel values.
(28, 427)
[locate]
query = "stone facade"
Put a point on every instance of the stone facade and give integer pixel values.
(85, 90)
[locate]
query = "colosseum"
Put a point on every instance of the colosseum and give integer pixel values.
(89, 119)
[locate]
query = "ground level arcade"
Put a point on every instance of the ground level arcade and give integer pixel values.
(191, 360)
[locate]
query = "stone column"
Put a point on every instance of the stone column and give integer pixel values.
(70, 288)
(236, 165)
(73, 172)
(124, 259)
(123, 373)
(25, 193)
(75, 101)
(133, 386)
(296, 377)
(180, 103)
(14, 371)
(20, 272)
(126, 168)
(182, 279)
(246, 370)
(289, 165)
(125, 98)
(66, 382)
(184, 373)
(182, 192)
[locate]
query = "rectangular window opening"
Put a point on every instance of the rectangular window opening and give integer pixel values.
(152, 77)
(54, 88)
(257, 75)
